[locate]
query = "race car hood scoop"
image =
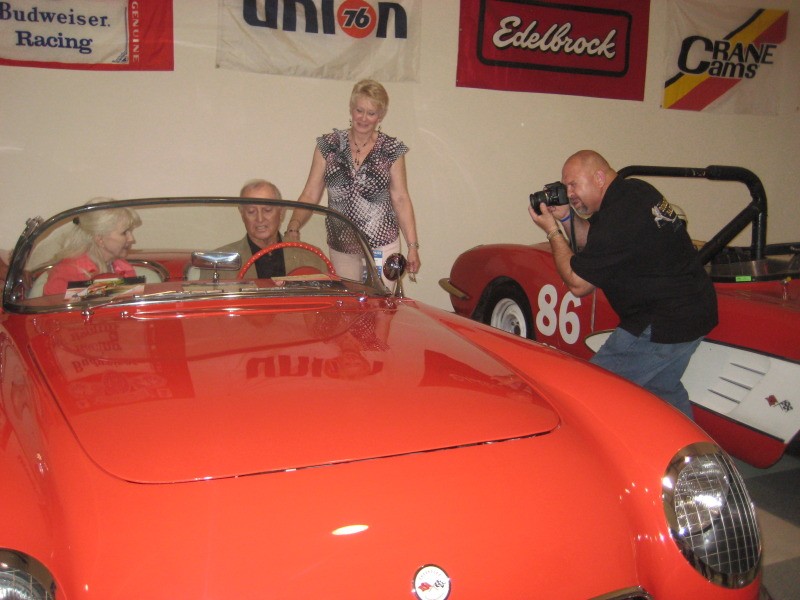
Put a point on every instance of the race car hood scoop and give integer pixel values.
(154, 398)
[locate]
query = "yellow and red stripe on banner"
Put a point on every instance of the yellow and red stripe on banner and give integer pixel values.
(688, 91)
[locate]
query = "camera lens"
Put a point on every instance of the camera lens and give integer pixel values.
(535, 200)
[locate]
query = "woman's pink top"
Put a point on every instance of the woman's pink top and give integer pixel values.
(80, 268)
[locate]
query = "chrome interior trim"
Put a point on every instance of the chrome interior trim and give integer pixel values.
(150, 265)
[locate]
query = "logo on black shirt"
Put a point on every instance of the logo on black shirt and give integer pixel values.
(665, 214)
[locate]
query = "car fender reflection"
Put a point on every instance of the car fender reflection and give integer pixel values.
(346, 365)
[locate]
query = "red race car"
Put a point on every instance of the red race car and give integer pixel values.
(742, 380)
(199, 424)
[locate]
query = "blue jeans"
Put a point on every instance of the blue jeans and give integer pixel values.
(656, 367)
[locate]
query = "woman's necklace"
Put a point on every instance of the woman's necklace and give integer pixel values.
(357, 158)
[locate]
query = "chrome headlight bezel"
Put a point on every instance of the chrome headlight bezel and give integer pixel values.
(24, 577)
(711, 517)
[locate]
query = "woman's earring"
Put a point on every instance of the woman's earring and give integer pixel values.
(351, 123)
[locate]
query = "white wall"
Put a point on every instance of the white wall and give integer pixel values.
(67, 136)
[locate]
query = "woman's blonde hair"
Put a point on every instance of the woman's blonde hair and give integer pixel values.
(372, 90)
(89, 226)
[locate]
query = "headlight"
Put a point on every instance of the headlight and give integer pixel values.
(22, 577)
(711, 516)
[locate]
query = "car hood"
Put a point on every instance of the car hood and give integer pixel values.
(204, 393)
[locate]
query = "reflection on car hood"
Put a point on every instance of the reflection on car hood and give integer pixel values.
(167, 396)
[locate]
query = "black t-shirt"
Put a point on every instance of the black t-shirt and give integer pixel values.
(639, 253)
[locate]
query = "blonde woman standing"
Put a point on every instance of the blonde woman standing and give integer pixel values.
(364, 173)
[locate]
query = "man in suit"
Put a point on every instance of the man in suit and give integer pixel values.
(262, 225)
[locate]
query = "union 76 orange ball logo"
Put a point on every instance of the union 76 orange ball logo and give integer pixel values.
(356, 18)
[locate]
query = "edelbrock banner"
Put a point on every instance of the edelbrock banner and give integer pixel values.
(119, 35)
(592, 48)
(726, 59)
(329, 39)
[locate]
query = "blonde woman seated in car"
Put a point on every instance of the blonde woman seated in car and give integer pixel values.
(98, 244)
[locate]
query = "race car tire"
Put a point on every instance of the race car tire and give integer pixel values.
(508, 309)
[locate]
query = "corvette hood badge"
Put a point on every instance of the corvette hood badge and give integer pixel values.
(431, 583)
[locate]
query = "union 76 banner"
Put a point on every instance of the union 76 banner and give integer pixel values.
(592, 48)
(725, 58)
(103, 35)
(330, 39)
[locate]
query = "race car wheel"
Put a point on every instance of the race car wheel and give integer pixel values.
(508, 309)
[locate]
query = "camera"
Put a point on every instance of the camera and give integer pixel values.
(553, 194)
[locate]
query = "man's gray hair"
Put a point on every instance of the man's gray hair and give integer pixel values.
(257, 184)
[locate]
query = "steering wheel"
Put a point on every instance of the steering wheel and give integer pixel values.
(278, 246)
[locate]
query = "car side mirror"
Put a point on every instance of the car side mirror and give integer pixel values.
(394, 266)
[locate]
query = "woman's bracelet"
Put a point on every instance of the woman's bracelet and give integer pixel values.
(413, 245)
(553, 234)
(292, 231)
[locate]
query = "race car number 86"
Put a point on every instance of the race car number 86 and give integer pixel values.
(566, 321)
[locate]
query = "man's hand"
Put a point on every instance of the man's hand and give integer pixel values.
(560, 211)
(545, 221)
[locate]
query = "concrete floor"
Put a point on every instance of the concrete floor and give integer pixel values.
(776, 494)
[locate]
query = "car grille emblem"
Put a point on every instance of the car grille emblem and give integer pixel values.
(431, 583)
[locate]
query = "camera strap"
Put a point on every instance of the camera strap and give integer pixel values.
(572, 241)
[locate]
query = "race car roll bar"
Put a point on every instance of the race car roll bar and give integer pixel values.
(754, 214)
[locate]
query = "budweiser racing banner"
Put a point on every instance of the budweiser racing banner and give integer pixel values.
(118, 35)
(330, 39)
(725, 58)
(592, 48)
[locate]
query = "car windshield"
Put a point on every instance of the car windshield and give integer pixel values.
(152, 250)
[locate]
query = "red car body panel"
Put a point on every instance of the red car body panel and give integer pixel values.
(257, 509)
(176, 385)
(764, 313)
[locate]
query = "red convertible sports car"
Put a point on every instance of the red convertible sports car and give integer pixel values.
(195, 427)
(742, 380)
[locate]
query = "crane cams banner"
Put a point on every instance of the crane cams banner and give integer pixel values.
(327, 39)
(726, 59)
(592, 48)
(103, 35)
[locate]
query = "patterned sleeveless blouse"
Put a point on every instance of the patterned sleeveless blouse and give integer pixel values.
(362, 193)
